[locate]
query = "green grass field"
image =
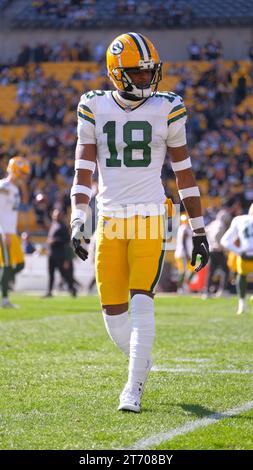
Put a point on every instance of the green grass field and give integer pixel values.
(61, 376)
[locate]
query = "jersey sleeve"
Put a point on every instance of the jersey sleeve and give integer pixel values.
(230, 236)
(86, 121)
(176, 120)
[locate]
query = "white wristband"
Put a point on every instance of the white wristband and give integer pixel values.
(84, 165)
(189, 192)
(80, 189)
(196, 222)
(183, 165)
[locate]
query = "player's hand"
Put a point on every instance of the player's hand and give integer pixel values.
(78, 239)
(201, 248)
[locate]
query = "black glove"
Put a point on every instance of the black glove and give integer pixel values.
(200, 247)
(78, 240)
(79, 249)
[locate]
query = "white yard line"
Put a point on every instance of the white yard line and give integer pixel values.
(189, 359)
(157, 439)
(187, 370)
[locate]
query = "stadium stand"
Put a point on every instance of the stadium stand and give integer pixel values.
(218, 96)
(87, 13)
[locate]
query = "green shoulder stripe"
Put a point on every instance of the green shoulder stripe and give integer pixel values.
(85, 108)
(174, 119)
(87, 118)
(176, 108)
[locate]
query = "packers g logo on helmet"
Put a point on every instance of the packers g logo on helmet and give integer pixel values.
(116, 47)
(18, 167)
(133, 52)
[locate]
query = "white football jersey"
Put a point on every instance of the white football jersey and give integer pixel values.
(131, 147)
(241, 228)
(9, 204)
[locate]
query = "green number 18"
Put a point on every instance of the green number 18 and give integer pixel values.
(128, 128)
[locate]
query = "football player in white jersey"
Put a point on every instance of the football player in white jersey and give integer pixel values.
(11, 254)
(127, 132)
(241, 229)
(183, 255)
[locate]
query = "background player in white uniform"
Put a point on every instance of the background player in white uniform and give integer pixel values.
(127, 132)
(241, 229)
(183, 253)
(11, 254)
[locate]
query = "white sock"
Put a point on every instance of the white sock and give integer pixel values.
(119, 329)
(242, 303)
(142, 338)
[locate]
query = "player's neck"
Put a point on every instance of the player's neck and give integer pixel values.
(127, 100)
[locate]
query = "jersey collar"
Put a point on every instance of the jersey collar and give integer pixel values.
(127, 105)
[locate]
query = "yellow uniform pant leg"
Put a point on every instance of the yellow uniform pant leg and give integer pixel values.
(16, 252)
(243, 266)
(112, 272)
(146, 254)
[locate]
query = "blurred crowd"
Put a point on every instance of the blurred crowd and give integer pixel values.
(60, 52)
(211, 50)
(79, 12)
(79, 50)
(220, 131)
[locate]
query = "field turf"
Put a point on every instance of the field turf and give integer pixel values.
(61, 377)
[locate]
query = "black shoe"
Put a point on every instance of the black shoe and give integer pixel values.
(73, 292)
(48, 294)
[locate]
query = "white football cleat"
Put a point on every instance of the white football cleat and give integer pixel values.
(130, 398)
(240, 310)
(241, 307)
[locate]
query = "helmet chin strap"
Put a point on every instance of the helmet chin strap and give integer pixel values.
(132, 92)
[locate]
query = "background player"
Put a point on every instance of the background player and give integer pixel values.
(183, 253)
(241, 229)
(11, 254)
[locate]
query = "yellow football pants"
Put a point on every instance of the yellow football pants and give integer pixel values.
(11, 255)
(244, 266)
(129, 255)
(183, 265)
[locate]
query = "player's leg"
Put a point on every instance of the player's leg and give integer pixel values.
(6, 277)
(66, 275)
(18, 268)
(112, 277)
(181, 274)
(17, 260)
(241, 288)
(51, 272)
(5, 262)
(223, 282)
(145, 261)
(212, 266)
(243, 268)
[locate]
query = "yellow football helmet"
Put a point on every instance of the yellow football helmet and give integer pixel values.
(133, 52)
(18, 167)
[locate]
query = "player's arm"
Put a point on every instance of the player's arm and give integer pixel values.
(190, 197)
(85, 163)
(230, 237)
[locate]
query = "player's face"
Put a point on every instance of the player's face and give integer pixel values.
(140, 78)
